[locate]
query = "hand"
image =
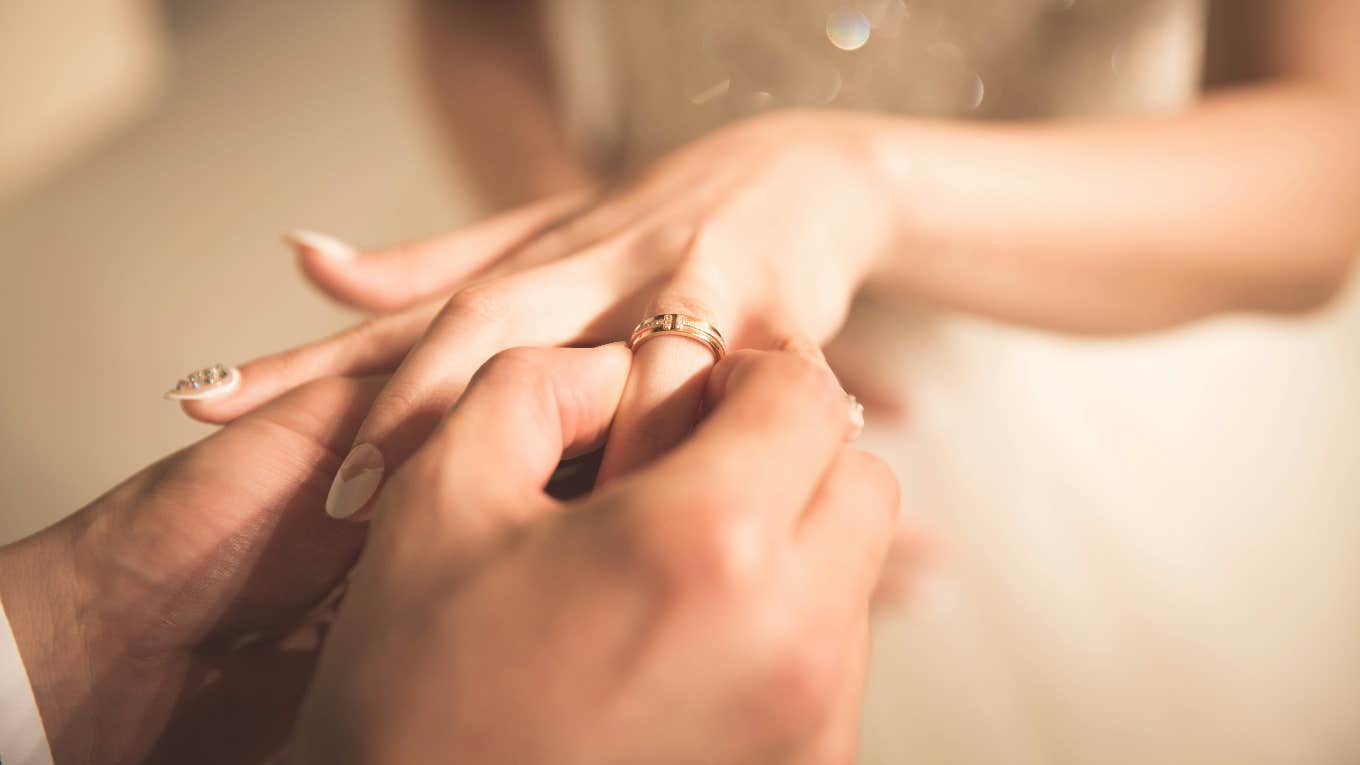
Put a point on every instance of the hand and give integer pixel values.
(177, 618)
(765, 229)
(710, 608)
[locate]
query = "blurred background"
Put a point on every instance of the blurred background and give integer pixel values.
(151, 152)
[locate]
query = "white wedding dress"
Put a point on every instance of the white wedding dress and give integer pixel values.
(1154, 542)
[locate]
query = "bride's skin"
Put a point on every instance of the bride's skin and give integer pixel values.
(769, 227)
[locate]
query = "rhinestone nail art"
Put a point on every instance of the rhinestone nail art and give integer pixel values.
(208, 382)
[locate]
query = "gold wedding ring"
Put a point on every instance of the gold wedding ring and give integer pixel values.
(683, 326)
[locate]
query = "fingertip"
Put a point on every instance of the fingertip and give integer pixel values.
(317, 245)
(209, 394)
(338, 270)
(356, 482)
(731, 365)
(804, 348)
(616, 355)
(595, 384)
(210, 412)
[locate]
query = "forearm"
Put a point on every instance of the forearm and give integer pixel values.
(1248, 202)
(489, 77)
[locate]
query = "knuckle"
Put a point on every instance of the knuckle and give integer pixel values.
(398, 401)
(710, 553)
(476, 302)
(375, 332)
(525, 371)
(800, 683)
(513, 365)
(681, 298)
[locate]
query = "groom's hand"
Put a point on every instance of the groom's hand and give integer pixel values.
(175, 619)
(712, 607)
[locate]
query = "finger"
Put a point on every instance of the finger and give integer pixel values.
(490, 459)
(843, 541)
(376, 346)
(846, 532)
(277, 463)
(327, 411)
(619, 215)
(400, 276)
(661, 403)
(777, 422)
(567, 302)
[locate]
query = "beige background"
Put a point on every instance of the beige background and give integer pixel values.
(1165, 609)
(158, 252)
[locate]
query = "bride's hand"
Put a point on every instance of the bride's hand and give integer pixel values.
(764, 229)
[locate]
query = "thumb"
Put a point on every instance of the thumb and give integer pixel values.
(523, 411)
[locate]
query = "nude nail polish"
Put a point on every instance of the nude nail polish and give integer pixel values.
(355, 482)
(209, 382)
(856, 417)
(322, 244)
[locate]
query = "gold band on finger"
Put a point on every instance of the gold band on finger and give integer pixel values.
(682, 326)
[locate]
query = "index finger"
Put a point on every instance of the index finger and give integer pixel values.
(777, 421)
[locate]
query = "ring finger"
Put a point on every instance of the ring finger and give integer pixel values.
(661, 401)
(566, 302)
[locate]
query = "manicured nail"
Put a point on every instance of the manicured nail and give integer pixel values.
(209, 382)
(856, 417)
(321, 244)
(356, 481)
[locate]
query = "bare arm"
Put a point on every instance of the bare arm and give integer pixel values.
(1249, 202)
(490, 81)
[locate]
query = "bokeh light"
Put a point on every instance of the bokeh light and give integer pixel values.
(847, 29)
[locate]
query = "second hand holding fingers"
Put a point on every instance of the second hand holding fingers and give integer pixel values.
(666, 384)
(495, 451)
(778, 422)
(561, 303)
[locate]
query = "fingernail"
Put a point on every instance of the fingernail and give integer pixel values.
(321, 244)
(355, 482)
(856, 417)
(209, 382)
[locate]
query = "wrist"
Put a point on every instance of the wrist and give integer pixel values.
(42, 598)
(876, 152)
(899, 162)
